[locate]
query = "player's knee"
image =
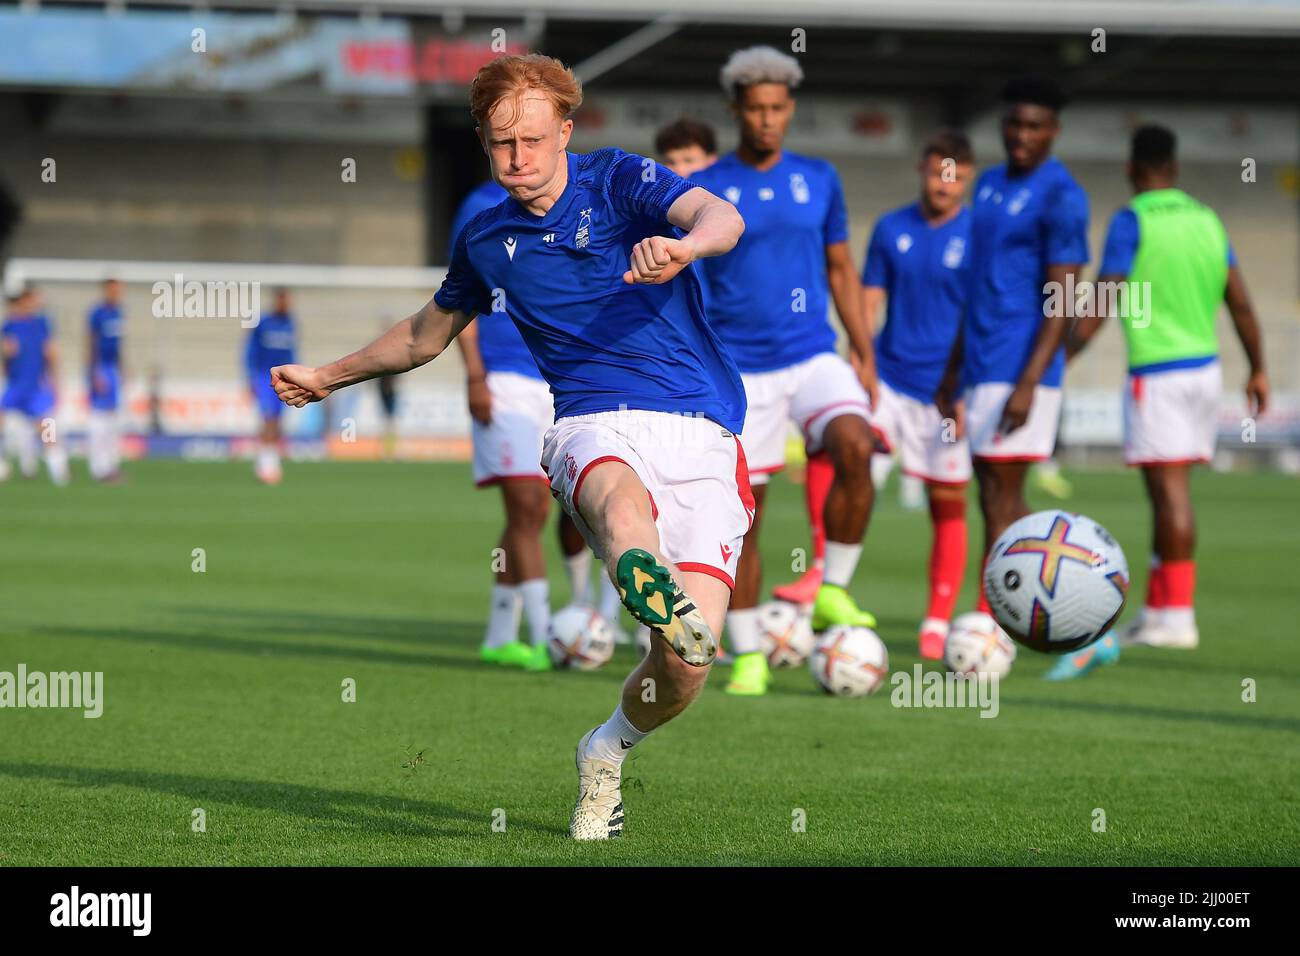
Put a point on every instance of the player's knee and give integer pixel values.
(623, 518)
(851, 450)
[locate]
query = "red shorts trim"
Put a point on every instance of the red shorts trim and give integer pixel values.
(742, 486)
(1169, 461)
(708, 569)
(1010, 458)
(823, 410)
(770, 470)
(496, 479)
(582, 476)
(935, 481)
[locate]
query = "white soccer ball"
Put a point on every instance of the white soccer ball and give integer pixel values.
(785, 633)
(579, 638)
(976, 645)
(849, 661)
(1056, 581)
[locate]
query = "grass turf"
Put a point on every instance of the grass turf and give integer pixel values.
(223, 692)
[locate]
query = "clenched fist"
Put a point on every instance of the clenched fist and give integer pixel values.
(657, 259)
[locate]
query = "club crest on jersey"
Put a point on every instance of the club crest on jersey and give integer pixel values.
(799, 188)
(510, 245)
(954, 251)
(583, 235)
(732, 194)
(904, 242)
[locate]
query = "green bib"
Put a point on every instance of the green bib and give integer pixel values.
(1183, 254)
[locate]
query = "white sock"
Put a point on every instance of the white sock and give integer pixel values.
(579, 568)
(610, 603)
(614, 738)
(841, 561)
(268, 457)
(537, 607)
(1178, 618)
(742, 631)
(99, 437)
(503, 618)
(56, 460)
(28, 459)
(112, 445)
(881, 466)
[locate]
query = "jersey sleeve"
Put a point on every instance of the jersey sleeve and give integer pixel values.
(1067, 227)
(1121, 244)
(876, 269)
(835, 228)
(637, 186)
(463, 290)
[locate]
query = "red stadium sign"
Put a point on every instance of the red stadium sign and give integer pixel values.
(436, 60)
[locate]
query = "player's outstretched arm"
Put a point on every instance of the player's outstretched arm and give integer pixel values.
(712, 227)
(415, 341)
(1247, 326)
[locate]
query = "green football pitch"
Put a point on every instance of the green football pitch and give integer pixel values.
(223, 693)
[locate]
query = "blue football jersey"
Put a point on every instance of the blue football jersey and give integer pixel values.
(106, 332)
(768, 298)
(923, 272)
(270, 343)
(499, 342)
(25, 370)
(1021, 225)
(600, 343)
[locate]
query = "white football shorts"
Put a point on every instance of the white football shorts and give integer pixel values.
(693, 470)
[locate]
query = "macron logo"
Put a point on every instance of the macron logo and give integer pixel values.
(102, 909)
(510, 247)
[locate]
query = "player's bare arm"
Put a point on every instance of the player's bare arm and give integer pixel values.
(1050, 336)
(476, 390)
(712, 227)
(1252, 341)
(946, 399)
(846, 290)
(1086, 326)
(415, 341)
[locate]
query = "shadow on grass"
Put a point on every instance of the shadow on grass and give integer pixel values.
(454, 634)
(354, 809)
(1245, 720)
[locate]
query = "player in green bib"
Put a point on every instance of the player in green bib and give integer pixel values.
(1171, 256)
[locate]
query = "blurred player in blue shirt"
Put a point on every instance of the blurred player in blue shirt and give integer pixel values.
(272, 342)
(1029, 235)
(769, 302)
(31, 374)
(103, 382)
(917, 262)
(592, 257)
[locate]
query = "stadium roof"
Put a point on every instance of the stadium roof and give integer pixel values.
(1218, 17)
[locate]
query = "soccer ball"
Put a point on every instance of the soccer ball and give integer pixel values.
(579, 638)
(849, 661)
(1056, 581)
(976, 645)
(785, 633)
